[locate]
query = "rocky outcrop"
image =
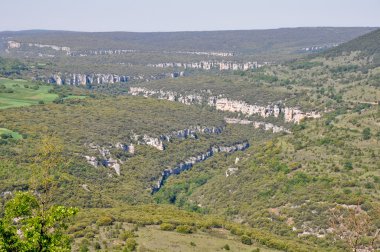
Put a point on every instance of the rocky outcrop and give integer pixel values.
(154, 142)
(129, 148)
(316, 48)
(13, 44)
(16, 45)
(84, 53)
(92, 161)
(84, 79)
(5, 194)
(77, 79)
(295, 115)
(263, 125)
(225, 104)
(191, 132)
(219, 54)
(167, 95)
(190, 162)
(208, 65)
(106, 159)
(292, 115)
(230, 171)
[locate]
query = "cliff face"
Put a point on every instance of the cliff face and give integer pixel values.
(208, 65)
(293, 115)
(84, 79)
(167, 95)
(191, 132)
(77, 79)
(257, 125)
(190, 162)
(105, 158)
(226, 104)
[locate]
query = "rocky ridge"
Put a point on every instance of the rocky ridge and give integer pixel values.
(167, 95)
(219, 54)
(292, 115)
(106, 159)
(263, 125)
(17, 45)
(191, 132)
(208, 65)
(77, 79)
(190, 162)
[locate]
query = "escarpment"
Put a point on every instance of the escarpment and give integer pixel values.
(290, 114)
(191, 161)
(263, 125)
(209, 65)
(105, 158)
(167, 95)
(80, 79)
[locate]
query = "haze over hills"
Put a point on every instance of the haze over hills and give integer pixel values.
(264, 140)
(367, 44)
(251, 42)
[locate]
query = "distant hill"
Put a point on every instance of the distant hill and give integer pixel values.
(368, 43)
(271, 43)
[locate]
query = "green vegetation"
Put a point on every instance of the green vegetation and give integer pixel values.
(6, 134)
(22, 93)
(367, 44)
(286, 192)
(141, 224)
(35, 224)
(30, 221)
(19, 93)
(11, 67)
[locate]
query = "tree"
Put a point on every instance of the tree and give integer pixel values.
(366, 133)
(30, 221)
(353, 225)
(26, 227)
(245, 239)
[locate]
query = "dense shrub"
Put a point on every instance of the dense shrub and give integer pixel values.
(184, 229)
(131, 244)
(366, 134)
(167, 227)
(105, 221)
(226, 247)
(127, 235)
(245, 239)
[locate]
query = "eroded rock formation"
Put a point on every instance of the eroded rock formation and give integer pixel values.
(263, 125)
(208, 65)
(105, 159)
(78, 79)
(293, 115)
(190, 162)
(167, 95)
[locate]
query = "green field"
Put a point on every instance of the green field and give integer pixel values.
(151, 238)
(24, 93)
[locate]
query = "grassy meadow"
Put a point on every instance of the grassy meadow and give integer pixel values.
(19, 93)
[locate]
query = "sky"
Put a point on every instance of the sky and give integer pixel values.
(180, 15)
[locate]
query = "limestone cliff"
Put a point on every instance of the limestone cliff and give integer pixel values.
(263, 125)
(80, 79)
(291, 114)
(190, 162)
(208, 65)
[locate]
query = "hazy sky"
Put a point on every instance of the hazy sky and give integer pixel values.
(180, 15)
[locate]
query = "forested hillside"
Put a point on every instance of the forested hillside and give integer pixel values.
(282, 156)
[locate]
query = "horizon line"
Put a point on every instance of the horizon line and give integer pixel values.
(173, 31)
